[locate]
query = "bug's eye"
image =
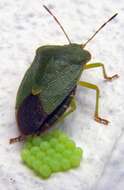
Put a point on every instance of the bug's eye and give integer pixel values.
(86, 56)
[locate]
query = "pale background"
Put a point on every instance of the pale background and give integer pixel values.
(24, 26)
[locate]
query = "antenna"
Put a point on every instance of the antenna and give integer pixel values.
(83, 45)
(57, 23)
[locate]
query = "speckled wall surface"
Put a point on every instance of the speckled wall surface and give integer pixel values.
(24, 26)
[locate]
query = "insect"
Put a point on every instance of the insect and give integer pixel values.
(47, 92)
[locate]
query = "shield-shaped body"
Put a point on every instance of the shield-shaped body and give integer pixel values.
(48, 85)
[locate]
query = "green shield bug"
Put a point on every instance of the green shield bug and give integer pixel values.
(49, 85)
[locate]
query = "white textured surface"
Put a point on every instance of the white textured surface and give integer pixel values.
(25, 25)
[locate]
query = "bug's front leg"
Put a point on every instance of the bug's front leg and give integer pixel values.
(95, 65)
(94, 87)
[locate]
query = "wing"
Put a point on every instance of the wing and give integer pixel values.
(30, 115)
(30, 79)
(25, 88)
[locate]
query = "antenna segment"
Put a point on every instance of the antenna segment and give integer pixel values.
(57, 23)
(83, 45)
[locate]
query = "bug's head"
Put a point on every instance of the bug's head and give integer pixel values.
(86, 56)
(78, 54)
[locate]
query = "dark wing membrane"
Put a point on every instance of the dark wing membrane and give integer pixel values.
(30, 115)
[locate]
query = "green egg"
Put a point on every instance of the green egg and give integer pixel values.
(44, 171)
(53, 142)
(28, 145)
(43, 136)
(59, 147)
(36, 164)
(44, 146)
(25, 154)
(34, 150)
(75, 161)
(30, 161)
(47, 160)
(50, 152)
(36, 141)
(63, 138)
(78, 152)
(29, 139)
(48, 137)
(70, 144)
(54, 165)
(58, 156)
(56, 133)
(67, 154)
(40, 155)
(65, 164)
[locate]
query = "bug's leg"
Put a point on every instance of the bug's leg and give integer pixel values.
(17, 139)
(72, 108)
(94, 65)
(96, 115)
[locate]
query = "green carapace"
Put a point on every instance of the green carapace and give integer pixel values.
(47, 92)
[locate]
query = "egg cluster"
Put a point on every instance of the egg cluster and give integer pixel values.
(52, 152)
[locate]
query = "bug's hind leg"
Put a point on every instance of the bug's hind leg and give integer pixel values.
(72, 108)
(96, 115)
(106, 77)
(17, 139)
